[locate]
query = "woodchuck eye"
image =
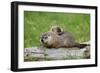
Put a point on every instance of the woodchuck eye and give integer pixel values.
(44, 38)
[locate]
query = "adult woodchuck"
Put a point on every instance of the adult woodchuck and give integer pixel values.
(57, 38)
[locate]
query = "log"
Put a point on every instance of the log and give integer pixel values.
(43, 54)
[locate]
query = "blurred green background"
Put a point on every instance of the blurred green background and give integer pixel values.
(36, 23)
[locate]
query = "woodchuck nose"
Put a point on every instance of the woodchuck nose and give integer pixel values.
(57, 38)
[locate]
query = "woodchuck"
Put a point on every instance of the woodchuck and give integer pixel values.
(57, 38)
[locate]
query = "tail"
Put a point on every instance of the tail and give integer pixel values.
(81, 45)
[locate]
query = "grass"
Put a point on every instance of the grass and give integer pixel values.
(35, 23)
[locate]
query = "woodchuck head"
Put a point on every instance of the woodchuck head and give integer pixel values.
(56, 29)
(49, 39)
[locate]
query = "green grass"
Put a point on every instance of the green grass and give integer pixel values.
(35, 23)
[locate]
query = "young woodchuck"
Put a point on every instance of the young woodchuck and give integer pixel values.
(57, 38)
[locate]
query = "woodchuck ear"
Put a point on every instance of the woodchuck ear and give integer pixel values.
(56, 29)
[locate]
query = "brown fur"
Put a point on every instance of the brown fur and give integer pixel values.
(57, 38)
